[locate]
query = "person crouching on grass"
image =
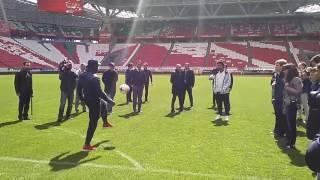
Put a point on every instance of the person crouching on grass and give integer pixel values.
(221, 88)
(291, 98)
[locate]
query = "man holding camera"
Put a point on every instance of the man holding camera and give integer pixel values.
(68, 83)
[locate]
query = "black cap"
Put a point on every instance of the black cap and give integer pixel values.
(93, 63)
(313, 155)
(111, 64)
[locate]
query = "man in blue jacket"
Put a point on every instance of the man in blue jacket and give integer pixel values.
(89, 90)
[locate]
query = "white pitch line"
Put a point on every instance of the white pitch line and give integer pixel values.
(125, 168)
(135, 163)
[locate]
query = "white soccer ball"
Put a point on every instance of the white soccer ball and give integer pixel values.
(124, 88)
(211, 77)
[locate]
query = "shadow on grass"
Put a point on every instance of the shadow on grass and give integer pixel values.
(295, 155)
(123, 104)
(172, 114)
(300, 123)
(301, 134)
(55, 123)
(9, 123)
(219, 122)
(129, 115)
(68, 161)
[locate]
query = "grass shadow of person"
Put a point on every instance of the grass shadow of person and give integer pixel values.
(220, 122)
(129, 115)
(9, 123)
(172, 114)
(48, 125)
(64, 161)
(123, 104)
(295, 155)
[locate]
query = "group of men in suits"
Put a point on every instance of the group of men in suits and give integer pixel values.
(138, 80)
(182, 82)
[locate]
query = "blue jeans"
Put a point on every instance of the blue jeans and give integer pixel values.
(63, 98)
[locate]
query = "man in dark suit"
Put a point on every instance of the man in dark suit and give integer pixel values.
(138, 80)
(189, 80)
(68, 80)
(177, 81)
(23, 87)
(110, 78)
(148, 75)
(89, 90)
(128, 81)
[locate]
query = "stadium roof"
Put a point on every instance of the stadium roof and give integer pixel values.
(115, 10)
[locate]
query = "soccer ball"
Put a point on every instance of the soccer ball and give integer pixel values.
(124, 88)
(211, 77)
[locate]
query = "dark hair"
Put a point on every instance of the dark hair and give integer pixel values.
(307, 72)
(221, 63)
(315, 59)
(292, 71)
(318, 66)
(25, 62)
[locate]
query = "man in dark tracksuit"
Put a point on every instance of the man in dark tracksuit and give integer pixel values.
(90, 91)
(189, 80)
(23, 87)
(177, 81)
(110, 78)
(148, 75)
(68, 80)
(278, 83)
(128, 81)
(138, 80)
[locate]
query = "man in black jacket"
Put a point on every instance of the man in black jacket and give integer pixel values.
(89, 90)
(148, 75)
(23, 87)
(189, 80)
(128, 81)
(109, 79)
(68, 80)
(138, 80)
(177, 81)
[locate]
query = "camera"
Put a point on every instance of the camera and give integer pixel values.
(65, 65)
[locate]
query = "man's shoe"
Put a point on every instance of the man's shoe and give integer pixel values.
(88, 148)
(218, 117)
(20, 118)
(226, 118)
(106, 125)
(26, 118)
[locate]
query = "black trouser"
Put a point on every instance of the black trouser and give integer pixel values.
(280, 123)
(313, 123)
(137, 97)
(291, 116)
(94, 115)
(174, 97)
(213, 99)
(104, 110)
(129, 94)
(24, 103)
(146, 93)
(64, 97)
(189, 90)
(223, 98)
(111, 93)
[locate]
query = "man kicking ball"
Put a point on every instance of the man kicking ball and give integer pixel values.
(89, 90)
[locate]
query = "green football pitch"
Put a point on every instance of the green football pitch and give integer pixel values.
(153, 144)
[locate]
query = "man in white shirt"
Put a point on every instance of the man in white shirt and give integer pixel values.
(221, 88)
(80, 71)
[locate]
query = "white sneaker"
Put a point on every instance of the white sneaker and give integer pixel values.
(218, 117)
(226, 118)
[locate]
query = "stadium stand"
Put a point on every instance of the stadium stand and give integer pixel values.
(153, 54)
(13, 47)
(193, 53)
(178, 31)
(208, 30)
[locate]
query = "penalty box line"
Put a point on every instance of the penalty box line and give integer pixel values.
(134, 162)
(122, 168)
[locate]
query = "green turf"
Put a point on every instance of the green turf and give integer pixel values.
(186, 146)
